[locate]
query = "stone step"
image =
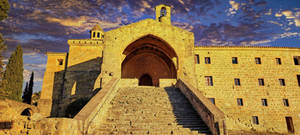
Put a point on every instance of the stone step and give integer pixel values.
(151, 110)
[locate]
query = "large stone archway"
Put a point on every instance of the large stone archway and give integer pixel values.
(149, 56)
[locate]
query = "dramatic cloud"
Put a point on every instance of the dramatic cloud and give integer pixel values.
(234, 7)
(82, 24)
(293, 16)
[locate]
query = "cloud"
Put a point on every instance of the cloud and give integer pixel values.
(82, 23)
(257, 42)
(278, 14)
(288, 34)
(294, 17)
(185, 26)
(234, 7)
(297, 22)
(274, 22)
(269, 12)
(288, 14)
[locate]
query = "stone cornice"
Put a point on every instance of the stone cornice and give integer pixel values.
(248, 47)
(85, 42)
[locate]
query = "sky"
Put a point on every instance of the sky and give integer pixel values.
(41, 26)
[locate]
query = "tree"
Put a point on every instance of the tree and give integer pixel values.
(2, 47)
(13, 76)
(27, 93)
(4, 8)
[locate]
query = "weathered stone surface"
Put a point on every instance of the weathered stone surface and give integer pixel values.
(149, 110)
(165, 53)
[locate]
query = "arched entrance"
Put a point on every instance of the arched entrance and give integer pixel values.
(149, 59)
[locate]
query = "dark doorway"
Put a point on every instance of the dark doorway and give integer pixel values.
(289, 124)
(26, 112)
(145, 80)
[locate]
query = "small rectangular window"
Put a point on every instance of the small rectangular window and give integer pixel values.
(60, 62)
(286, 102)
(212, 100)
(282, 82)
(207, 60)
(298, 78)
(297, 60)
(257, 60)
(261, 82)
(278, 61)
(197, 60)
(264, 102)
(209, 80)
(237, 82)
(94, 34)
(234, 60)
(255, 120)
(240, 102)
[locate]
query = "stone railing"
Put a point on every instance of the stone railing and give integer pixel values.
(210, 114)
(96, 105)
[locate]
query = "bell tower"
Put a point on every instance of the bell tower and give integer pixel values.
(163, 13)
(97, 33)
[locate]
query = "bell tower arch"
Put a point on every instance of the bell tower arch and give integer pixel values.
(163, 13)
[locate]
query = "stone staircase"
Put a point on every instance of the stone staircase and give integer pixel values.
(151, 110)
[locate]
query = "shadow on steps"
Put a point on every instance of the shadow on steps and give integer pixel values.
(184, 112)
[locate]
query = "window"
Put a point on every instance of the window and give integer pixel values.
(98, 34)
(255, 120)
(289, 124)
(286, 102)
(207, 60)
(257, 60)
(237, 82)
(234, 60)
(264, 102)
(197, 60)
(240, 101)
(209, 80)
(282, 82)
(261, 82)
(297, 60)
(278, 61)
(60, 62)
(94, 34)
(212, 100)
(298, 78)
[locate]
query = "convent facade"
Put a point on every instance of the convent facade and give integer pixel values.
(253, 88)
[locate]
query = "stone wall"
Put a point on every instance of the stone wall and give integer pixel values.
(52, 83)
(225, 92)
(210, 114)
(117, 40)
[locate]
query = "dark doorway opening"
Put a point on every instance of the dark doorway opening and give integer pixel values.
(289, 124)
(145, 80)
(26, 112)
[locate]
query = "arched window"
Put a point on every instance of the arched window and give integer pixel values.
(163, 11)
(98, 35)
(94, 34)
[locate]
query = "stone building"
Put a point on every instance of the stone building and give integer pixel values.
(232, 88)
